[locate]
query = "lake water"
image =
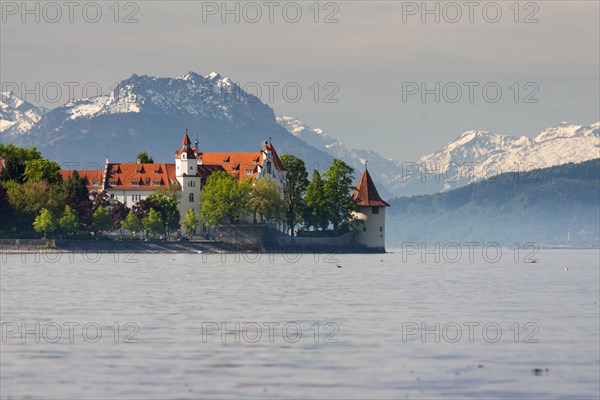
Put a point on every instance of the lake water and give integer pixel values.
(366, 330)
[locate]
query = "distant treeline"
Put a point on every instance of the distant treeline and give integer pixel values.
(551, 206)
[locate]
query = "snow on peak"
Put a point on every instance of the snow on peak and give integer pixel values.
(565, 130)
(213, 76)
(192, 76)
(479, 154)
(17, 115)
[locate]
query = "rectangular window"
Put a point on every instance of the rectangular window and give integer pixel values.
(249, 172)
(155, 183)
(135, 183)
(375, 210)
(147, 181)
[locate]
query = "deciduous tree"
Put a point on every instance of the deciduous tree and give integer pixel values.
(145, 158)
(222, 198)
(101, 220)
(295, 187)
(44, 222)
(132, 223)
(69, 221)
(338, 189)
(153, 222)
(42, 169)
(315, 213)
(190, 223)
(265, 199)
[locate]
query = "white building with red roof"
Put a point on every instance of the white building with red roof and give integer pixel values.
(129, 183)
(370, 213)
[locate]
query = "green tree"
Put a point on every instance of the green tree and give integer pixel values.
(190, 223)
(338, 190)
(76, 189)
(44, 222)
(265, 199)
(153, 222)
(145, 158)
(42, 169)
(14, 161)
(69, 222)
(315, 212)
(31, 197)
(118, 214)
(101, 220)
(7, 212)
(132, 223)
(295, 187)
(166, 204)
(77, 196)
(222, 198)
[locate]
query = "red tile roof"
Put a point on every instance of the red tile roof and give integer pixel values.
(140, 176)
(366, 194)
(92, 178)
(234, 163)
(241, 165)
(276, 160)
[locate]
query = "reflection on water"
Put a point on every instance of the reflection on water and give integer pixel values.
(183, 326)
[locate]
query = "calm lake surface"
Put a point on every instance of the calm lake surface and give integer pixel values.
(350, 332)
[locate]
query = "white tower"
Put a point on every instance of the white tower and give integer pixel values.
(371, 214)
(186, 172)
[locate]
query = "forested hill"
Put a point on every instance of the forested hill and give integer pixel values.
(552, 206)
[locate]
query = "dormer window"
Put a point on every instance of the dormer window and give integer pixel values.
(96, 183)
(135, 183)
(155, 183)
(147, 181)
(249, 171)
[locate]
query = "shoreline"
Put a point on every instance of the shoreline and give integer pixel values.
(34, 246)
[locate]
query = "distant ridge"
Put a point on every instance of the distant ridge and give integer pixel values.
(150, 113)
(552, 206)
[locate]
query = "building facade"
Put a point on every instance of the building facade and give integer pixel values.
(128, 183)
(370, 216)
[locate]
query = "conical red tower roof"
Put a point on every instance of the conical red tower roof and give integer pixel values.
(186, 140)
(366, 194)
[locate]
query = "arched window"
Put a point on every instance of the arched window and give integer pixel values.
(191, 197)
(268, 167)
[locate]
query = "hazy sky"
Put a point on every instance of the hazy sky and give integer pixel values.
(373, 57)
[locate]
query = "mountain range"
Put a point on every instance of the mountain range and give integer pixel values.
(556, 206)
(150, 113)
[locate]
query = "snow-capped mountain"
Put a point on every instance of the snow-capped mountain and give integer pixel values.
(149, 113)
(382, 169)
(16, 115)
(476, 155)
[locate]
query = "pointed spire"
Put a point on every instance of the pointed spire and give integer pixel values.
(186, 139)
